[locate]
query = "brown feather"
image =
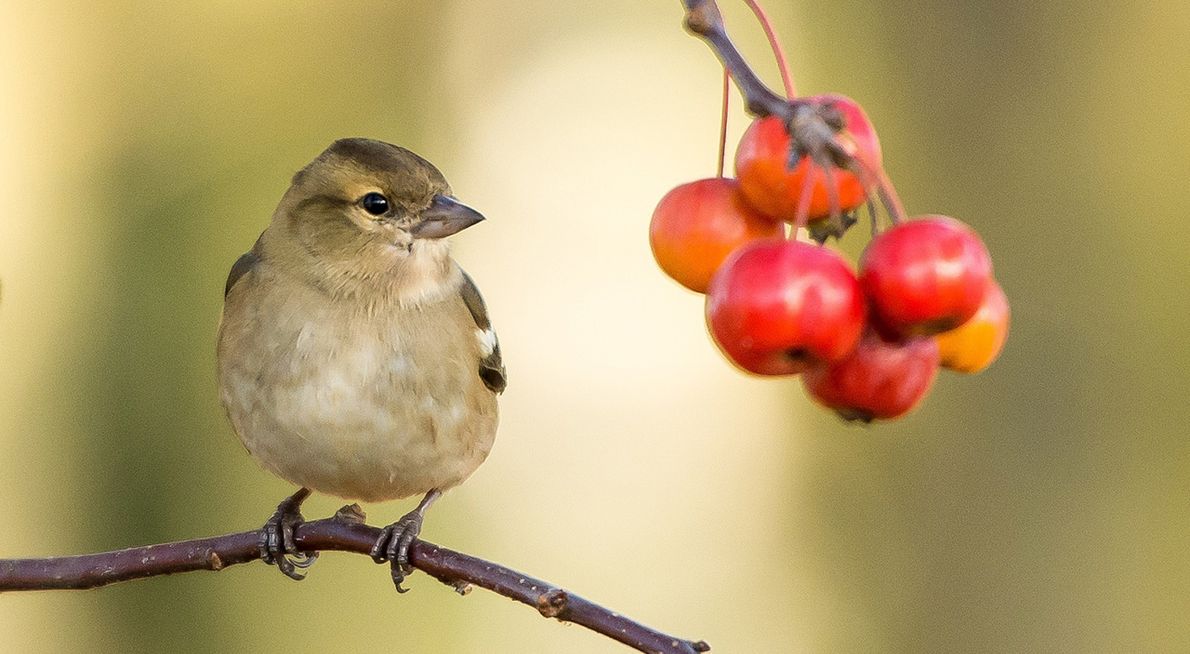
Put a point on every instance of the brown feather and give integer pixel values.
(491, 367)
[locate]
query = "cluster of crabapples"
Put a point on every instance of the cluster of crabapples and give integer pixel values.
(866, 344)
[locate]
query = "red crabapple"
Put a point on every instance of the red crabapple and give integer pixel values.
(924, 276)
(879, 380)
(776, 307)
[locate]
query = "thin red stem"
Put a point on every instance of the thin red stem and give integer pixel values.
(888, 194)
(775, 44)
(832, 192)
(872, 217)
(723, 122)
(876, 177)
(802, 213)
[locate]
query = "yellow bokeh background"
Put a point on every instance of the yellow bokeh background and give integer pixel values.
(1041, 506)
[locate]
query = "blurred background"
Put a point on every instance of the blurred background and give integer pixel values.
(1041, 506)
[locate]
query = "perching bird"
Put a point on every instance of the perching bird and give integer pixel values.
(355, 356)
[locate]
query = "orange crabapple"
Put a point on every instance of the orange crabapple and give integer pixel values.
(772, 185)
(696, 226)
(974, 345)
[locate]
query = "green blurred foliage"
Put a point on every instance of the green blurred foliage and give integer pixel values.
(1041, 506)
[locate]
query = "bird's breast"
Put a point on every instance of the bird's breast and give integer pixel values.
(361, 406)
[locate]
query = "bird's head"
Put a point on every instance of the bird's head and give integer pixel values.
(367, 213)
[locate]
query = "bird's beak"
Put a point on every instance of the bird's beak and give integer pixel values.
(444, 217)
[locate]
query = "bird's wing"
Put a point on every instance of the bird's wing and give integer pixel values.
(491, 366)
(239, 268)
(246, 262)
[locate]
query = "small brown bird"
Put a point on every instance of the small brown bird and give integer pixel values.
(355, 356)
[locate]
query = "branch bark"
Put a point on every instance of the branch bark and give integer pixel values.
(345, 533)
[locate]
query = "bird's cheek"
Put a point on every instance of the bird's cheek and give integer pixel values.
(394, 241)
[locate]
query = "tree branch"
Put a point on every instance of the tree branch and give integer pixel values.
(704, 19)
(345, 533)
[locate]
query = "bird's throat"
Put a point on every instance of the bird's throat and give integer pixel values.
(426, 274)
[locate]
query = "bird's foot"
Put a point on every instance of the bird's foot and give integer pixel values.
(277, 544)
(393, 546)
(351, 514)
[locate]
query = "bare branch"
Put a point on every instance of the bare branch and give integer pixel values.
(345, 533)
(703, 19)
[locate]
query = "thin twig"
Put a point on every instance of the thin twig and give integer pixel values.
(703, 18)
(345, 533)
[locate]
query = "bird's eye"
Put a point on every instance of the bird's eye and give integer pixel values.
(375, 204)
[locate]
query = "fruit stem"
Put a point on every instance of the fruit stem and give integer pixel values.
(775, 44)
(872, 216)
(802, 213)
(723, 122)
(876, 177)
(832, 192)
(888, 195)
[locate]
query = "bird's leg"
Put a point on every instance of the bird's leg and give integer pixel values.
(395, 539)
(277, 544)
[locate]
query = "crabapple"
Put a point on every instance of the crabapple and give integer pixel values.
(776, 307)
(924, 276)
(879, 380)
(975, 344)
(697, 225)
(762, 161)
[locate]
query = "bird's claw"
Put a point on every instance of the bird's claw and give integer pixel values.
(277, 543)
(393, 546)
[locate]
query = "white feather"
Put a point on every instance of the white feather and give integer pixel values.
(487, 341)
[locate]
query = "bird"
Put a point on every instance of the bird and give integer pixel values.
(355, 357)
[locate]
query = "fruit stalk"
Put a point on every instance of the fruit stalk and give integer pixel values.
(775, 44)
(704, 19)
(723, 122)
